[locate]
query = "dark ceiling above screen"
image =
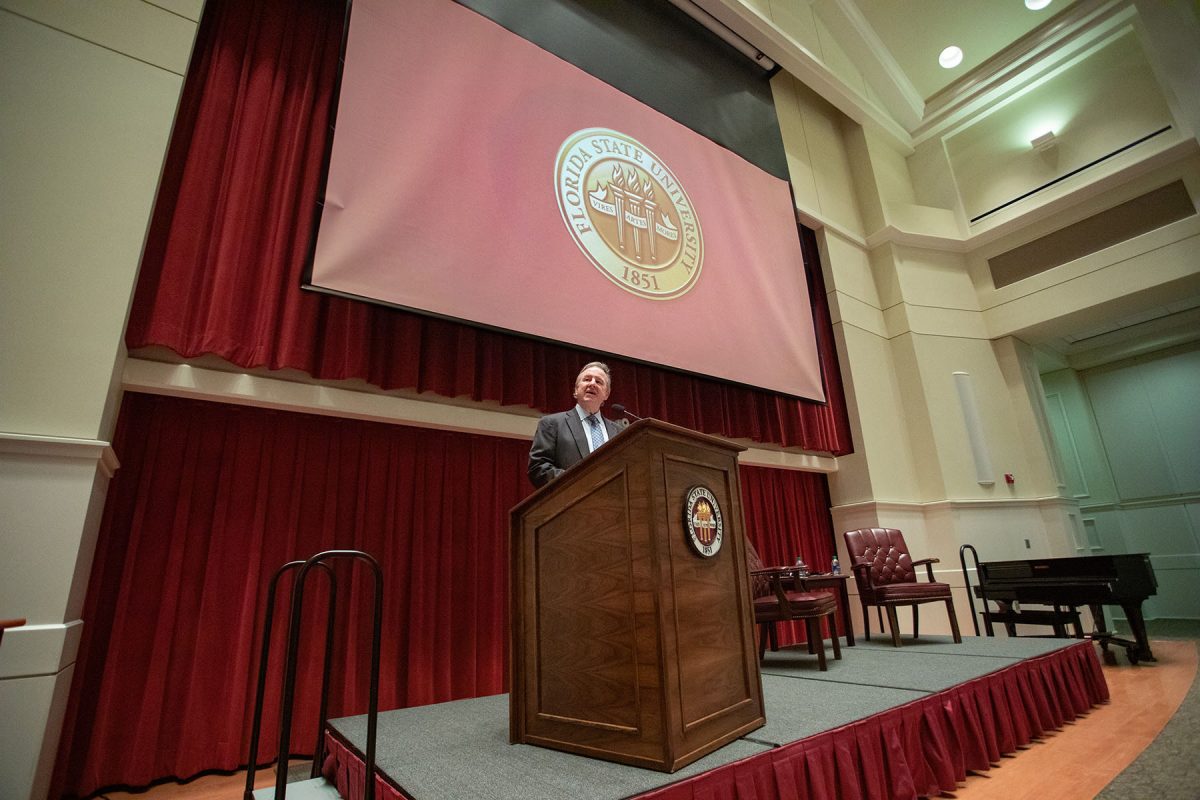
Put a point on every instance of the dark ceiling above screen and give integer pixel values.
(654, 52)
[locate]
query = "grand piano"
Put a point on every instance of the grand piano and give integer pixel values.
(1065, 584)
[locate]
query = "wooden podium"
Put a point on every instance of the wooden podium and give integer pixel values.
(628, 644)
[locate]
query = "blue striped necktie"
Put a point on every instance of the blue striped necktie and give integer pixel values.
(594, 432)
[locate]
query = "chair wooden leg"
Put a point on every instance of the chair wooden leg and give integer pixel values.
(894, 624)
(833, 634)
(762, 641)
(866, 622)
(774, 636)
(814, 635)
(916, 623)
(953, 621)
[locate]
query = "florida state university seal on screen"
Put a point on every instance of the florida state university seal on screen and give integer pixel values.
(628, 213)
(702, 516)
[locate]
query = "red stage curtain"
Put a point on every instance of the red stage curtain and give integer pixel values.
(232, 229)
(787, 516)
(212, 498)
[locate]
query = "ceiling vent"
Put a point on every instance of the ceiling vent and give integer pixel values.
(1132, 218)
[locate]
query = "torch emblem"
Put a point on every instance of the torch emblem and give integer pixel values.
(703, 520)
(628, 213)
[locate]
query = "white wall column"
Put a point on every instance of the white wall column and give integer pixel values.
(89, 92)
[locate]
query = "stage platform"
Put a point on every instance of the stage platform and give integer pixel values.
(882, 722)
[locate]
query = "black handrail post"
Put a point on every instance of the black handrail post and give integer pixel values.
(323, 714)
(962, 559)
(289, 678)
(260, 691)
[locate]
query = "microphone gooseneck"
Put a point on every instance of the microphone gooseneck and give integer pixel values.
(622, 410)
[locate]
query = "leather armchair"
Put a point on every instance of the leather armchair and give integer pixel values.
(886, 576)
(777, 598)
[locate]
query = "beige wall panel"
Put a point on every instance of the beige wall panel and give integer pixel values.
(190, 9)
(1041, 476)
(795, 19)
(28, 737)
(891, 171)
(992, 159)
(924, 220)
(795, 141)
(865, 181)
(919, 424)
(1116, 288)
(937, 359)
(813, 137)
(1079, 439)
(932, 321)
(885, 273)
(848, 269)
(1111, 189)
(878, 416)
(932, 178)
(851, 482)
(935, 278)
(52, 508)
(158, 36)
(1122, 255)
(857, 313)
(81, 144)
(837, 60)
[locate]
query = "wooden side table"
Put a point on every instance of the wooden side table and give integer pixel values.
(830, 581)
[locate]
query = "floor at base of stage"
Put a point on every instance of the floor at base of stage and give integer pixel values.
(917, 717)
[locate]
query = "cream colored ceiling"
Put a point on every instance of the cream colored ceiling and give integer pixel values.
(1023, 72)
(915, 32)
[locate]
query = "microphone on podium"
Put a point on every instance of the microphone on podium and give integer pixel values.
(623, 411)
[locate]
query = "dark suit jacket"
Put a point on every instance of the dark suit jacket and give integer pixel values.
(560, 442)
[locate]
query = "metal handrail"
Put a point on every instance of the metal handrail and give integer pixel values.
(962, 559)
(288, 690)
(260, 690)
(289, 678)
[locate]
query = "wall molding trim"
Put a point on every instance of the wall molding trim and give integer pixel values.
(902, 506)
(1145, 502)
(61, 447)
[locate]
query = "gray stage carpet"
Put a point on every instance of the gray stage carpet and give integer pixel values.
(461, 750)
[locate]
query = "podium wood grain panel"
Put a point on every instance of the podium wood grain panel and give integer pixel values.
(626, 644)
(586, 636)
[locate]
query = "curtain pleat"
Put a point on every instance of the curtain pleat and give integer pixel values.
(232, 229)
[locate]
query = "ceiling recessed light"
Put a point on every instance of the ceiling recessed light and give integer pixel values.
(1036, 5)
(951, 57)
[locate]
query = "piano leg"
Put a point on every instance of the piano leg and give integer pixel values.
(1133, 613)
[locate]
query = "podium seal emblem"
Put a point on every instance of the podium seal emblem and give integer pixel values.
(628, 213)
(702, 517)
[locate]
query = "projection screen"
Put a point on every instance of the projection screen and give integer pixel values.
(478, 177)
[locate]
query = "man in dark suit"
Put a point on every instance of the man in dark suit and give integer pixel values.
(566, 438)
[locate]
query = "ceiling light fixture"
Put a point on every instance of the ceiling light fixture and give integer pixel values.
(1036, 5)
(951, 57)
(1044, 142)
